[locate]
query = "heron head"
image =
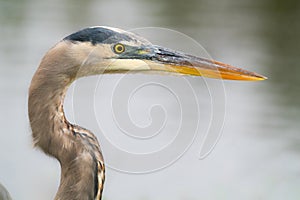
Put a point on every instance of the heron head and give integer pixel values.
(99, 50)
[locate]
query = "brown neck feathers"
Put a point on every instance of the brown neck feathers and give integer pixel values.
(77, 149)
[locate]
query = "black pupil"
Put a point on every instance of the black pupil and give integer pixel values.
(119, 48)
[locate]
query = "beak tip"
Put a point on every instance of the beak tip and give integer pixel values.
(261, 77)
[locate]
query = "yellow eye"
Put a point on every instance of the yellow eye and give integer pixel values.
(119, 48)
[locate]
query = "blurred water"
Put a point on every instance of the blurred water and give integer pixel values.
(257, 156)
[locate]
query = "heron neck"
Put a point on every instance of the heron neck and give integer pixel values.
(46, 115)
(82, 174)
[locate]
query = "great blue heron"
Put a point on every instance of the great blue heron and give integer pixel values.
(91, 51)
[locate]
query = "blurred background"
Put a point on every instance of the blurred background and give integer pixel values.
(257, 156)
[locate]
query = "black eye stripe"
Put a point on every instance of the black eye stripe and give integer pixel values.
(98, 35)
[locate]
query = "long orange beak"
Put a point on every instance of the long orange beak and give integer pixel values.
(159, 59)
(181, 63)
